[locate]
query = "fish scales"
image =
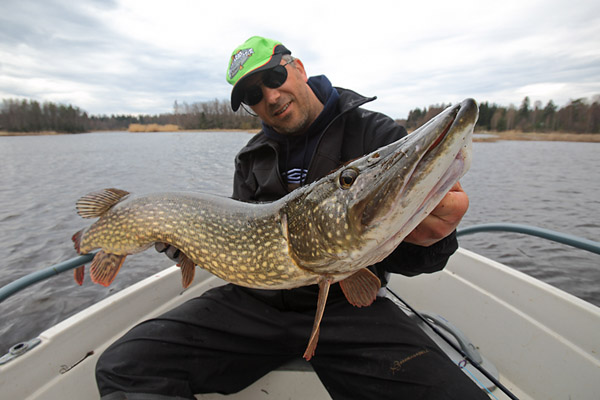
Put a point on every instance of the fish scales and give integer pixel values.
(324, 233)
(241, 243)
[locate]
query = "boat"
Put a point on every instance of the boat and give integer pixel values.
(515, 336)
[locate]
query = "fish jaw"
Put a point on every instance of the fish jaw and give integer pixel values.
(441, 155)
(345, 227)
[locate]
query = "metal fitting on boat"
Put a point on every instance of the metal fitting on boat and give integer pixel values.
(19, 349)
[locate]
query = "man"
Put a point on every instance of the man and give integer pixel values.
(231, 336)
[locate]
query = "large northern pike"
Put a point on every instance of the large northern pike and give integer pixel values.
(325, 232)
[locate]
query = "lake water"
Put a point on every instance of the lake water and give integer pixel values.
(554, 185)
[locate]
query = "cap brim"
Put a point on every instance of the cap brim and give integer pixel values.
(237, 94)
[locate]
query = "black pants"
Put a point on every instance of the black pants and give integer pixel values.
(228, 338)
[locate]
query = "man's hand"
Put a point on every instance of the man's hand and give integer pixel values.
(172, 252)
(443, 220)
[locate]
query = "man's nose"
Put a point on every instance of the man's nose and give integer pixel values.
(271, 95)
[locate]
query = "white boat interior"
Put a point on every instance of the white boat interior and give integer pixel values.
(544, 342)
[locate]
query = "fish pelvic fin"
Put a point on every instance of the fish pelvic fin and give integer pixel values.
(188, 270)
(95, 204)
(361, 288)
(105, 267)
(78, 274)
(324, 285)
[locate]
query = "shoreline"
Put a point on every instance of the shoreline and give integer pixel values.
(481, 136)
(42, 133)
(51, 133)
(536, 136)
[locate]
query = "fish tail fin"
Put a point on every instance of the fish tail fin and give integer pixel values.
(78, 274)
(95, 204)
(105, 267)
(188, 270)
(361, 288)
(76, 238)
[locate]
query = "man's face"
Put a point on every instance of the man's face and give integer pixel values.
(290, 108)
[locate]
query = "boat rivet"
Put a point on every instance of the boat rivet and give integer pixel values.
(19, 348)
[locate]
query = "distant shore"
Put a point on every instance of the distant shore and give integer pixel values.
(479, 136)
(536, 136)
(48, 133)
(43, 133)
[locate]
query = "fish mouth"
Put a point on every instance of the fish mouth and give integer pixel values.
(356, 216)
(417, 173)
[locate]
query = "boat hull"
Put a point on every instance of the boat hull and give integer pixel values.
(544, 342)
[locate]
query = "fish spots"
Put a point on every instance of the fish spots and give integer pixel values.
(247, 248)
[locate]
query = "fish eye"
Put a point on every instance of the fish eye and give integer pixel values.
(347, 177)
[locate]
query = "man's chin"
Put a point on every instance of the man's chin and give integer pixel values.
(290, 125)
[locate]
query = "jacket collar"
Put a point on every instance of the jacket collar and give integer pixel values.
(348, 101)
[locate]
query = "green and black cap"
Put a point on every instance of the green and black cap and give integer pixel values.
(254, 55)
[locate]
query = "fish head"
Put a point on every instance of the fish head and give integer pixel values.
(357, 215)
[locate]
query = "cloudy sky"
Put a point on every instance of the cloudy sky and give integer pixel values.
(138, 57)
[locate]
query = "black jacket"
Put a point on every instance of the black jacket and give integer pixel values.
(352, 133)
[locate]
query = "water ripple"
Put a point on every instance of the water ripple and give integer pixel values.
(548, 184)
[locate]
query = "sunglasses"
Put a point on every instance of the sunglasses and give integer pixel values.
(272, 78)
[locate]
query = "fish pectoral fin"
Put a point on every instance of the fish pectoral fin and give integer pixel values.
(361, 288)
(78, 274)
(188, 270)
(324, 285)
(105, 267)
(95, 204)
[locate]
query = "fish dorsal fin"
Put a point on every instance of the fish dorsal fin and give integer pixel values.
(95, 204)
(361, 288)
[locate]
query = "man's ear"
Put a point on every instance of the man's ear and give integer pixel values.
(300, 68)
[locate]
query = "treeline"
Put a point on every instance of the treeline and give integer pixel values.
(577, 116)
(32, 116)
(216, 114)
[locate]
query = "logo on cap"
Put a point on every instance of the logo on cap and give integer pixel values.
(238, 60)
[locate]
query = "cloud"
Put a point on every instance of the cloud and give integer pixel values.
(139, 57)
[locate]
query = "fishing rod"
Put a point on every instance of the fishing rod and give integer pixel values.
(466, 357)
